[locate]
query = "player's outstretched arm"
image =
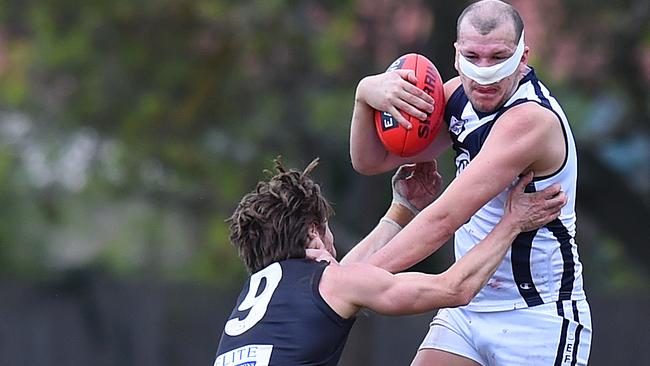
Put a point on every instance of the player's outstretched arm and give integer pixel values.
(523, 139)
(349, 288)
(414, 187)
(523, 212)
(389, 92)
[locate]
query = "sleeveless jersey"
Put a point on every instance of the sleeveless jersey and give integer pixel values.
(543, 265)
(281, 319)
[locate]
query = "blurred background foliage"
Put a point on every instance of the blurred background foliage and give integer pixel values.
(129, 130)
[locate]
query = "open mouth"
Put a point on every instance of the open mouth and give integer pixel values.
(485, 90)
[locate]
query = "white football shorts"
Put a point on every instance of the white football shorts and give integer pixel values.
(556, 334)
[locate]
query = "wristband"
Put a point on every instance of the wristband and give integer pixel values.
(398, 199)
(391, 222)
(400, 214)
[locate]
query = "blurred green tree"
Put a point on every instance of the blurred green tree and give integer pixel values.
(130, 129)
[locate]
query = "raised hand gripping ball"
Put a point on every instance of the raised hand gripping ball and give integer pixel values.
(397, 139)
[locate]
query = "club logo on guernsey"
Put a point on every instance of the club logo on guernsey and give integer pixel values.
(456, 126)
(250, 355)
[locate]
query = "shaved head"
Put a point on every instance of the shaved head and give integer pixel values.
(486, 15)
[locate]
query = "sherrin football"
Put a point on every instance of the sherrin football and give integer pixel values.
(397, 139)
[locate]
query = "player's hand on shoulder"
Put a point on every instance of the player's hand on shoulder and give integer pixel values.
(530, 211)
(415, 186)
(395, 91)
(320, 255)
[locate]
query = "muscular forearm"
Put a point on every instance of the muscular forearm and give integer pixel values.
(463, 280)
(396, 258)
(423, 236)
(380, 235)
(471, 272)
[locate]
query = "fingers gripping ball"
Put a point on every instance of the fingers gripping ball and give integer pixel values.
(397, 139)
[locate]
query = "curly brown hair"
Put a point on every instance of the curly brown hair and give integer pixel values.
(271, 223)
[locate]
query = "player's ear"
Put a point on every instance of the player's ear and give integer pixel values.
(315, 241)
(523, 63)
(456, 52)
(312, 232)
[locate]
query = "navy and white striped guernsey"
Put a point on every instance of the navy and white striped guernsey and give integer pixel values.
(281, 319)
(542, 266)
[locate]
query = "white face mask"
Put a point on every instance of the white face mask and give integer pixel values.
(491, 74)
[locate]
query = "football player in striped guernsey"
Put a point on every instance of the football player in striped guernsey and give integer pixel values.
(503, 122)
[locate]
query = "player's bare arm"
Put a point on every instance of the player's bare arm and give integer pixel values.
(414, 187)
(347, 288)
(390, 92)
(522, 139)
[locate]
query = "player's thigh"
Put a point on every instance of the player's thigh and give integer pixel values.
(430, 357)
(548, 334)
(449, 341)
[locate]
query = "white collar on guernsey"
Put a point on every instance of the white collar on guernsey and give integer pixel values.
(491, 74)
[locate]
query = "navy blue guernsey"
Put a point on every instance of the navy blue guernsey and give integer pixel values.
(281, 319)
(542, 266)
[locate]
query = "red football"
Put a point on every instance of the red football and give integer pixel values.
(397, 139)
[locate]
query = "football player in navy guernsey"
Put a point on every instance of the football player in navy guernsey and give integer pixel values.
(502, 123)
(295, 310)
